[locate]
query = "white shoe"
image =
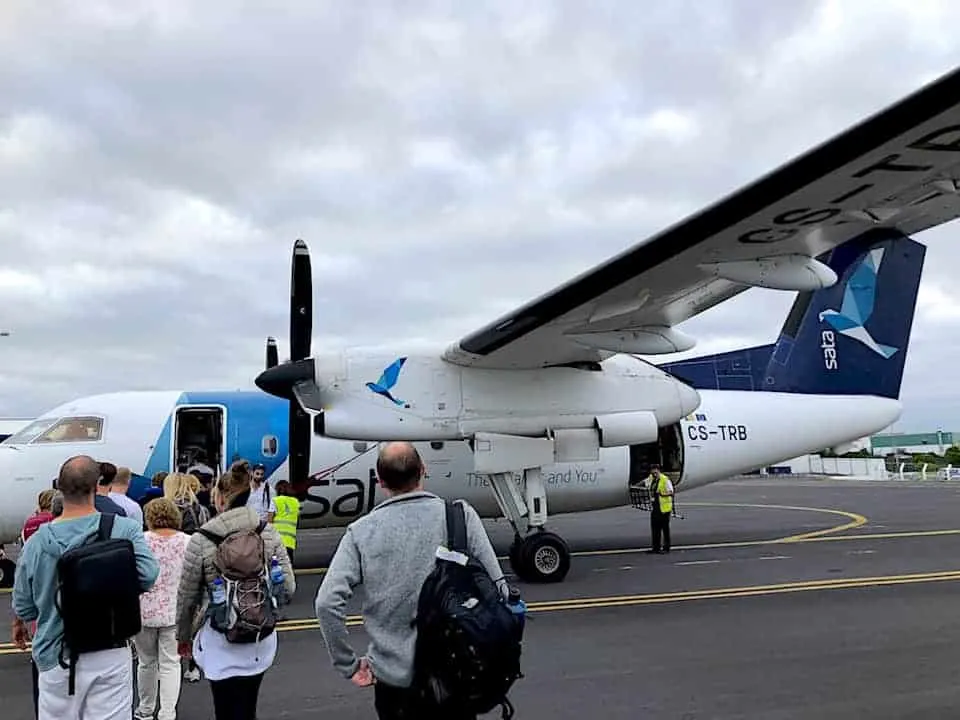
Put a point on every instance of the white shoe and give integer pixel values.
(192, 676)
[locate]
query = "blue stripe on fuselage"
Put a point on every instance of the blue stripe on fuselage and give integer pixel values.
(250, 417)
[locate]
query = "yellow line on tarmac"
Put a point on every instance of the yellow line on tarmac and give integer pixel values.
(593, 603)
(855, 519)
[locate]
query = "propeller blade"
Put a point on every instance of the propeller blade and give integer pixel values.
(298, 458)
(301, 302)
(271, 353)
(282, 379)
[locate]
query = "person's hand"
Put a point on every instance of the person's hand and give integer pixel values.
(19, 633)
(184, 650)
(363, 677)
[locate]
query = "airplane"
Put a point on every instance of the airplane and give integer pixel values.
(554, 400)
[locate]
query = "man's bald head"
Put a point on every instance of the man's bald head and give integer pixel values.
(78, 478)
(399, 466)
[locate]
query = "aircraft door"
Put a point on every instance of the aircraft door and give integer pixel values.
(199, 436)
(667, 451)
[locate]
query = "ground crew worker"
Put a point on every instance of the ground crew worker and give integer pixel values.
(288, 514)
(661, 507)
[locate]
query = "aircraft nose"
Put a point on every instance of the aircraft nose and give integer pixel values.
(19, 494)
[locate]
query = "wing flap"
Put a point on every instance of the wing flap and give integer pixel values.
(899, 169)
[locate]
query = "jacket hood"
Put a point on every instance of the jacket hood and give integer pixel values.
(241, 518)
(58, 536)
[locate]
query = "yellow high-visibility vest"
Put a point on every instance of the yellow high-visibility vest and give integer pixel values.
(666, 502)
(285, 521)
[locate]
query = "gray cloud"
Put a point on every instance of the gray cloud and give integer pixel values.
(157, 161)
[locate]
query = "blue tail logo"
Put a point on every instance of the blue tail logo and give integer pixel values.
(874, 298)
(856, 309)
(388, 378)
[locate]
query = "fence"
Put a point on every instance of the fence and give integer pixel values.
(871, 469)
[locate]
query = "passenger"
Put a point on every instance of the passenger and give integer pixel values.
(180, 489)
(200, 470)
(56, 505)
(159, 663)
(40, 516)
(102, 501)
(390, 552)
(156, 488)
(118, 493)
(261, 494)
(104, 682)
(43, 515)
(288, 514)
(661, 507)
(235, 670)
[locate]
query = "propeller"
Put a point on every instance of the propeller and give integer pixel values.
(281, 379)
(271, 352)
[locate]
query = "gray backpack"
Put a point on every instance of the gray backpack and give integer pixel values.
(249, 611)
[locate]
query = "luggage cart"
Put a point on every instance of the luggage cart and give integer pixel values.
(642, 499)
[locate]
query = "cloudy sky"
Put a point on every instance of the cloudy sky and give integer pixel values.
(157, 160)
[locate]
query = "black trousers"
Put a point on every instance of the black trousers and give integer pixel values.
(395, 703)
(660, 525)
(35, 672)
(236, 698)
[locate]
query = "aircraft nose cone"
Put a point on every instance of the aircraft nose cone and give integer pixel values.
(281, 379)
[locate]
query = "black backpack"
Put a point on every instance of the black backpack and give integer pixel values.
(98, 595)
(194, 516)
(468, 640)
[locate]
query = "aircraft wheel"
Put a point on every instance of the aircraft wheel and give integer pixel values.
(516, 560)
(7, 570)
(545, 557)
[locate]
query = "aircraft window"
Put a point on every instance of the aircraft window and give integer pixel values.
(268, 447)
(28, 433)
(437, 444)
(359, 446)
(74, 429)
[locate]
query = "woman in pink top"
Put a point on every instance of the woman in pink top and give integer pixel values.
(159, 663)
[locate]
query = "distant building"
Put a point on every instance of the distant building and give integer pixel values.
(896, 443)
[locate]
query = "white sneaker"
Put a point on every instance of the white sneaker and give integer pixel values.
(192, 676)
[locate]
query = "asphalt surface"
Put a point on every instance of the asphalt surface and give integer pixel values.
(763, 609)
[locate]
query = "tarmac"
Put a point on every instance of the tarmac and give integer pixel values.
(782, 598)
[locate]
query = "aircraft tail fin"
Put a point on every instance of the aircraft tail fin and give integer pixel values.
(848, 339)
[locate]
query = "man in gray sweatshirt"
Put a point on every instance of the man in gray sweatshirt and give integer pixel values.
(390, 552)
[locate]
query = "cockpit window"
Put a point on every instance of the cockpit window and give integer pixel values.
(73, 429)
(28, 433)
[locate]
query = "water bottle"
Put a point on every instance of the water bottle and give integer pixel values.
(517, 606)
(218, 596)
(218, 604)
(276, 578)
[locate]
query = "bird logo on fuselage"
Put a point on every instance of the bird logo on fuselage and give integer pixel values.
(387, 380)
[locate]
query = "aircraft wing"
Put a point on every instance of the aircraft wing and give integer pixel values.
(896, 172)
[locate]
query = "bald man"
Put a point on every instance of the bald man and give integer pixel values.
(104, 680)
(390, 551)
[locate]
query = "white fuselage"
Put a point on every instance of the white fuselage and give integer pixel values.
(732, 432)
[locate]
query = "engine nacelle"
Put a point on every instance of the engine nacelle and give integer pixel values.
(627, 428)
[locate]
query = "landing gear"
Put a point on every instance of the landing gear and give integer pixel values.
(7, 570)
(542, 557)
(536, 555)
